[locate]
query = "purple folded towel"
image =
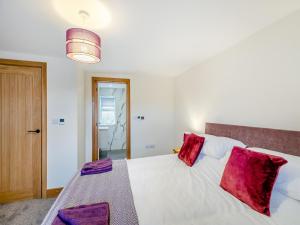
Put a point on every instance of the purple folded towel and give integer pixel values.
(94, 214)
(99, 166)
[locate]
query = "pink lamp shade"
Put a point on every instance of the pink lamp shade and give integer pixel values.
(83, 45)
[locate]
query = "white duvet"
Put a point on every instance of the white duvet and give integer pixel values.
(167, 192)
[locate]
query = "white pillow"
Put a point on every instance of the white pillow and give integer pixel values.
(290, 188)
(293, 158)
(288, 180)
(218, 146)
(225, 158)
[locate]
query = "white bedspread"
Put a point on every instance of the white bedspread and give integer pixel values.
(167, 192)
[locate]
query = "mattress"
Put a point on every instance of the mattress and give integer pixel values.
(167, 192)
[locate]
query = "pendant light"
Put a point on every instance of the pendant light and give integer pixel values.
(83, 45)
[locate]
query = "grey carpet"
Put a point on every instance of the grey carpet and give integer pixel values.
(29, 212)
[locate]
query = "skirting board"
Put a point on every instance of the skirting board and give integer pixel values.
(54, 192)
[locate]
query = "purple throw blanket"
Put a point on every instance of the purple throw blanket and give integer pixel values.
(96, 214)
(99, 166)
(113, 187)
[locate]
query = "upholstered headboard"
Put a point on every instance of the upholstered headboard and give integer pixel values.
(278, 140)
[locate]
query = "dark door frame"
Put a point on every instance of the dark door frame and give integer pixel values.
(95, 81)
(43, 67)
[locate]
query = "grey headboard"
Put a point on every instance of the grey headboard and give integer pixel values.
(278, 140)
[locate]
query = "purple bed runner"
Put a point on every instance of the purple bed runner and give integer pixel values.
(112, 187)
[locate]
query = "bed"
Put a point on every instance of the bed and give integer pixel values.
(166, 192)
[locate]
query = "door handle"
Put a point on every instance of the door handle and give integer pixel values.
(34, 131)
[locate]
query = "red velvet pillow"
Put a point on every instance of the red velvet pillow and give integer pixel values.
(250, 177)
(186, 135)
(191, 148)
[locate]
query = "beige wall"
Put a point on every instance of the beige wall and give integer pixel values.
(255, 83)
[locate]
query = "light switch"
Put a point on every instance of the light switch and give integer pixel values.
(61, 121)
(140, 117)
(58, 121)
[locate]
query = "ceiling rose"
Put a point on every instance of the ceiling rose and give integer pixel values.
(98, 13)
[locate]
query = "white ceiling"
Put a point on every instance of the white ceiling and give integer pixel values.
(155, 37)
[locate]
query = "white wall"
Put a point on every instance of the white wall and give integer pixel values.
(152, 97)
(81, 116)
(69, 96)
(255, 83)
(62, 75)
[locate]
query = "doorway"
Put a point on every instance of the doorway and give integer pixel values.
(111, 118)
(23, 130)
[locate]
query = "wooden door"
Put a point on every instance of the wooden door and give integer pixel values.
(20, 132)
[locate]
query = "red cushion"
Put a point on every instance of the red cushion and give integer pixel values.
(191, 148)
(250, 177)
(186, 135)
